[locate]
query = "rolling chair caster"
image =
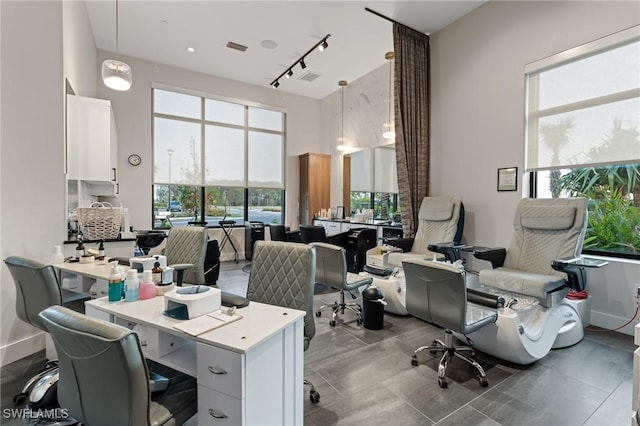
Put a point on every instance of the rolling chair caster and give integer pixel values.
(442, 382)
(414, 361)
(314, 396)
(483, 381)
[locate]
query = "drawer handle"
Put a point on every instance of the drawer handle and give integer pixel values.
(217, 414)
(217, 370)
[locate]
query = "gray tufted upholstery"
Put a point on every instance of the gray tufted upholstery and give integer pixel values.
(544, 230)
(440, 220)
(282, 274)
(188, 245)
(104, 378)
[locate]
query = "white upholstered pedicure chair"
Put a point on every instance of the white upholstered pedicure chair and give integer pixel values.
(534, 276)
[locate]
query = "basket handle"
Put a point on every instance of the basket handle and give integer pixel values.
(100, 205)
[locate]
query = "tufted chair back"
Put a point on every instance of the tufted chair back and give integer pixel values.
(188, 245)
(282, 274)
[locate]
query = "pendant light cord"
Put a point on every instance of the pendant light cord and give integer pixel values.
(342, 112)
(117, 51)
(390, 96)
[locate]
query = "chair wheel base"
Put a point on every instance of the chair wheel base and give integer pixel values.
(314, 396)
(442, 382)
(19, 398)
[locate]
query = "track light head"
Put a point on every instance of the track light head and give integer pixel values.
(323, 45)
(289, 73)
(302, 64)
(275, 84)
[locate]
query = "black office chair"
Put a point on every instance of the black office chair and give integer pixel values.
(437, 293)
(278, 232)
(36, 289)
(312, 234)
(104, 378)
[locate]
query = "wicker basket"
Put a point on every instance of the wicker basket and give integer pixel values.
(100, 221)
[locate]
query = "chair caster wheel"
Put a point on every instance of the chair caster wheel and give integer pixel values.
(20, 398)
(483, 382)
(414, 361)
(314, 396)
(332, 323)
(318, 314)
(442, 382)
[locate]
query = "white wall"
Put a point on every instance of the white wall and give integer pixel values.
(477, 118)
(32, 182)
(366, 110)
(133, 115)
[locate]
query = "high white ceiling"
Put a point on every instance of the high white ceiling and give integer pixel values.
(160, 31)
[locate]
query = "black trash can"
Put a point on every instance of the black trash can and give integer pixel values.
(373, 308)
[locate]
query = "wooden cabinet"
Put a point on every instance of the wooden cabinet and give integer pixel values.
(315, 185)
(92, 143)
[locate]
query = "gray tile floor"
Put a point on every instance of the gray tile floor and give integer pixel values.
(365, 377)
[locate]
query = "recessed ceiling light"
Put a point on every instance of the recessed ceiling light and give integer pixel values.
(268, 44)
(191, 49)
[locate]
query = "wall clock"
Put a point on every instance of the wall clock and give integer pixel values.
(135, 160)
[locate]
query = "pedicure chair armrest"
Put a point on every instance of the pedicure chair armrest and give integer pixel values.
(485, 299)
(402, 243)
(494, 255)
(575, 268)
(450, 250)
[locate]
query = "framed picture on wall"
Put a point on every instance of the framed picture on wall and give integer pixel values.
(508, 179)
(340, 212)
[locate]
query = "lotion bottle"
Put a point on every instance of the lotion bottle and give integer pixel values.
(131, 286)
(115, 283)
(147, 287)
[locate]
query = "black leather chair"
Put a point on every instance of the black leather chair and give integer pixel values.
(312, 234)
(278, 232)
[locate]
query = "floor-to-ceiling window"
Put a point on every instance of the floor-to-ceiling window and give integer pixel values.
(216, 159)
(583, 136)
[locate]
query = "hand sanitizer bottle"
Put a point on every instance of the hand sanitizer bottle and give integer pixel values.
(131, 286)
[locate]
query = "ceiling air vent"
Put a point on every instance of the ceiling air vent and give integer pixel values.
(309, 76)
(236, 46)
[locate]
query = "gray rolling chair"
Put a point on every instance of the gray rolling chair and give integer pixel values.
(104, 378)
(331, 269)
(36, 289)
(438, 294)
(186, 249)
(440, 220)
(282, 275)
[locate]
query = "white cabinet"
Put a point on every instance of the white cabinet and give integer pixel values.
(92, 143)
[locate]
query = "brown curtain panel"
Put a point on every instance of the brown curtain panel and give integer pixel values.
(412, 103)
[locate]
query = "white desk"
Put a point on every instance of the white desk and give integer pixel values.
(86, 274)
(248, 372)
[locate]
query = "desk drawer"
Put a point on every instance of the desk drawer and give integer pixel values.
(221, 370)
(216, 408)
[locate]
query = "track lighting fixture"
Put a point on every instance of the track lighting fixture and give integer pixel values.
(321, 45)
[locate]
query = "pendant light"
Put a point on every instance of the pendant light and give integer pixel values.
(116, 74)
(341, 145)
(390, 133)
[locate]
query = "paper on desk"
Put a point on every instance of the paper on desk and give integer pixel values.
(205, 323)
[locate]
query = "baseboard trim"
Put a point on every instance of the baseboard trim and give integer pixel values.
(22, 348)
(608, 321)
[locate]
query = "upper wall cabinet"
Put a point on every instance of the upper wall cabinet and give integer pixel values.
(92, 142)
